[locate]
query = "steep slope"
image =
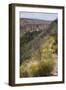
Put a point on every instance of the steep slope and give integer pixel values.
(39, 48)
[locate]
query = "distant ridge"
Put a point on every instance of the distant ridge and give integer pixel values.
(34, 21)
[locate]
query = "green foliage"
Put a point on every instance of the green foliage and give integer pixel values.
(54, 33)
(27, 37)
(46, 67)
(25, 53)
(23, 71)
(47, 62)
(34, 69)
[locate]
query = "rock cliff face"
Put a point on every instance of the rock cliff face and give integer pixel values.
(33, 25)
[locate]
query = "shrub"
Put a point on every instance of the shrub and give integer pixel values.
(23, 71)
(46, 67)
(34, 69)
(47, 63)
(41, 62)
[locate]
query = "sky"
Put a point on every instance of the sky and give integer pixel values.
(39, 15)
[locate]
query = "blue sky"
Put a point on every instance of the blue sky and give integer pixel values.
(39, 15)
